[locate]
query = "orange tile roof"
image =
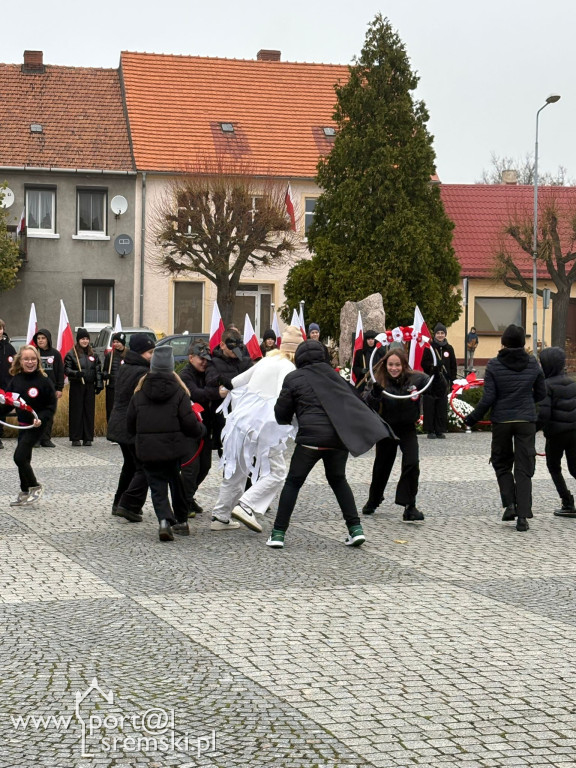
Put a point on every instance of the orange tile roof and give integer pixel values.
(480, 211)
(176, 104)
(80, 110)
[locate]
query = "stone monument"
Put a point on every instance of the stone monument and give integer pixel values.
(373, 318)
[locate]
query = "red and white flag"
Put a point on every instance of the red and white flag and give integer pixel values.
(358, 344)
(216, 328)
(32, 324)
(65, 336)
(296, 322)
(289, 202)
(22, 223)
(251, 340)
(276, 329)
(417, 345)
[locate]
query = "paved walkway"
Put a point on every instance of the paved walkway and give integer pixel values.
(444, 643)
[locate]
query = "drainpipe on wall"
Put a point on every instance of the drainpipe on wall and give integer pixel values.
(142, 248)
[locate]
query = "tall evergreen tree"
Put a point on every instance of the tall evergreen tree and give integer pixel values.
(379, 224)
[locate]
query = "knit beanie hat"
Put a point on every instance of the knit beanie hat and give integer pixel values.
(140, 342)
(121, 337)
(514, 336)
(162, 360)
(291, 339)
(440, 327)
(313, 327)
(370, 335)
(82, 333)
(269, 334)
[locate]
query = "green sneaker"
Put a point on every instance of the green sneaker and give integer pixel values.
(276, 539)
(355, 536)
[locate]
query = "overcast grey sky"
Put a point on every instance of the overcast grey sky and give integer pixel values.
(485, 68)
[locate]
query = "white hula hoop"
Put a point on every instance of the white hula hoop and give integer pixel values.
(413, 395)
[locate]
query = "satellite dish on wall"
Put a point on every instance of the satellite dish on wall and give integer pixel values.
(8, 198)
(119, 205)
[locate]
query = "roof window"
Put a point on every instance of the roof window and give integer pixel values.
(329, 131)
(36, 128)
(227, 127)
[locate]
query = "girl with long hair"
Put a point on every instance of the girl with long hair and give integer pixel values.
(82, 366)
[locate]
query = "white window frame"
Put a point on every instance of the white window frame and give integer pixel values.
(47, 232)
(91, 234)
(308, 215)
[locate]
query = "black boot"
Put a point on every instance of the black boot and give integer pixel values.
(181, 529)
(509, 513)
(568, 509)
(412, 514)
(165, 531)
(522, 524)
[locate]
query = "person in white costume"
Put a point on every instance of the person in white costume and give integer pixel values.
(253, 442)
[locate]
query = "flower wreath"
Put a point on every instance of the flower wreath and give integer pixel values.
(461, 385)
(14, 400)
(403, 333)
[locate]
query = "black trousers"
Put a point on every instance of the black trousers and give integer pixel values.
(195, 473)
(303, 461)
(132, 484)
(81, 407)
(109, 402)
(45, 431)
(161, 476)
(407, 488)
(556, 447)
(513, 457)
(27, 439)
(435, 412)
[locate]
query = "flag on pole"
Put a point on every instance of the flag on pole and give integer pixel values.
(276, 329)
(117, 325)
(358, 344)
(65, 336)
(290, 207)
(216, 328)
(301, 319)
(297, 323)
(32, 324)
(251, 340)
(22, 223)
(417, 347)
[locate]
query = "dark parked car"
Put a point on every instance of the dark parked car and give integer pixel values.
(103, 342)
(180, 343)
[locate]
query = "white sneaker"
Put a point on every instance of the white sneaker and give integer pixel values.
(220, 525)
(35, 492)
(20, 500)
(246, 516)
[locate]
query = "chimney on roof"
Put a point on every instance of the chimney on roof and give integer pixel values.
(33, 62)
(264, 55)
(510, 177)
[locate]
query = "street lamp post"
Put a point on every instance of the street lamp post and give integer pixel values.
(552, 99)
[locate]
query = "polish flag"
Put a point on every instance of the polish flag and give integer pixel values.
(417, 347)
(296, 323)
(276, 329)
(290, 207)
(358, 344)
(301, 320)
(216, 328)
(22, 223)
(251, 340)
(65, 336)
(32, 324)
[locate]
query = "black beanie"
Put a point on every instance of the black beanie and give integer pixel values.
(120, 336)
(513, 337)
(370, 334)
(269, 334)
(140, 342)
(440, 327)
(82, 333)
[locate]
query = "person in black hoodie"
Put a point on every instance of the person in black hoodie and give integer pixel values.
(394, 375)
(332, 422)
(112, 362)
(30, 381)
(7, 355)
(557, 417)
(82, 366)
(160, 416)
(361, 362)
(438, 359)
(132, 487)
(194, 376)
(513, 384)
(54, 368)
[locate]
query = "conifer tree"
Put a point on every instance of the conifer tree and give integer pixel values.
(379, 224)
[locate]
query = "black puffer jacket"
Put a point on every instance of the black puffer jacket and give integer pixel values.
(51, 360)
(557, 412)
(160, 416)
(89, 371)
(129, 374)
(398, 413)
(7, 355)
(222, 369)
(513, 384)
(200, 392)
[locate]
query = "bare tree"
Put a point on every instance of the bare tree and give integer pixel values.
(218, 221)
(524, 167)
(556, 250)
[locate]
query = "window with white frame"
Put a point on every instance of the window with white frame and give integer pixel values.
(98, 302)
(40, 211)
(310, 207)
(492, 314)
(92, 211)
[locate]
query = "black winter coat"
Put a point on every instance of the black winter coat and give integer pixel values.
(7, 354)
(38, 392)
(51, 361)
(557, 412)
(221, 369)
(110, 372)
(129, 374)
(513, 384)
(400, 414)
(90, 370)
(361, 362)
(440, 360)
(160, 416)
(200, 392)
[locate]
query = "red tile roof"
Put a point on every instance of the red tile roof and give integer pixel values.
(176, 104)
(81, 113)
(480, 212)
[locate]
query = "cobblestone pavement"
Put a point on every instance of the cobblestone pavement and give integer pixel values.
(446, 643)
